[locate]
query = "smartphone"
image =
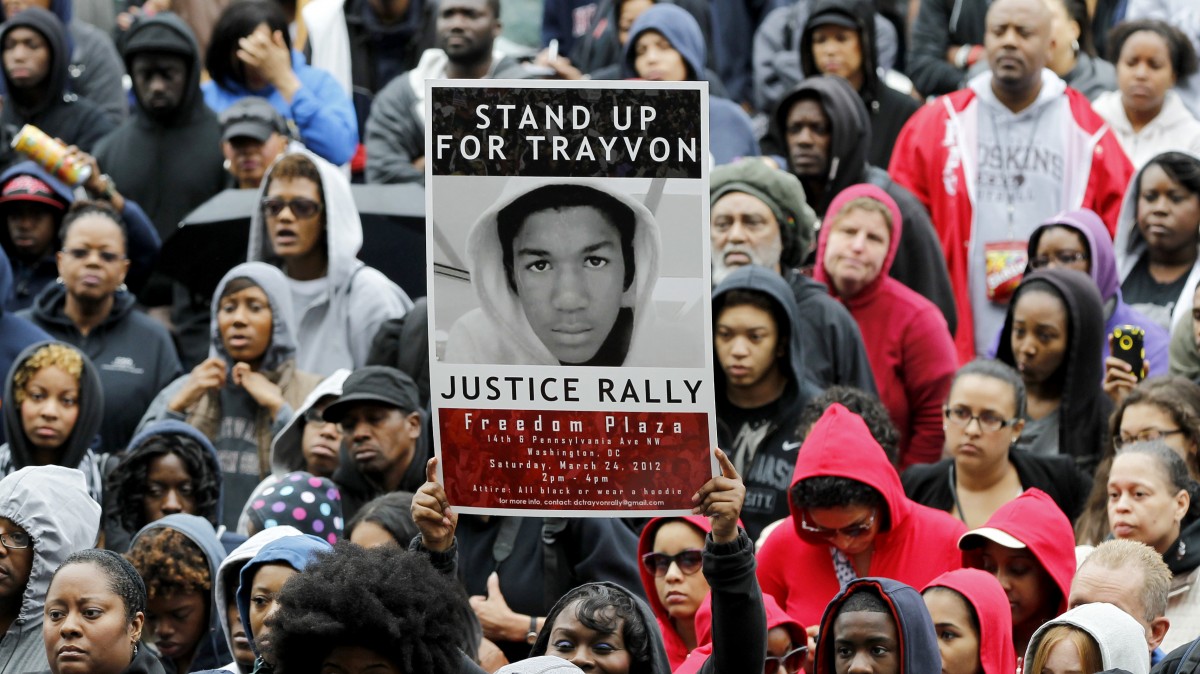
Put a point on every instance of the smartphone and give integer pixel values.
(1128, 343)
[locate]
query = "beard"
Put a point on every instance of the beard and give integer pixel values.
(766, 255)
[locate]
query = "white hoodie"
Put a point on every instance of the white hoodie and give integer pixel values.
(1122, 639)
(1173, 130)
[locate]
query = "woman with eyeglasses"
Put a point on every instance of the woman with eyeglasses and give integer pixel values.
(1053, 335)
(983, 418)
(850, 519)
(91, 309)
(1153, 500)
(1163, 408)
(53, 404)
(973, 622)
(1028, 546)
(307, 225)
(244, 393)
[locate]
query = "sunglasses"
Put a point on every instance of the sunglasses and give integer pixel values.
(852, 531)
(659, 563)
(107, 256)
(300, 207)
(788, 663)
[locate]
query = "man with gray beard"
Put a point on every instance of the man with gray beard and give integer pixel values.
(759, 217)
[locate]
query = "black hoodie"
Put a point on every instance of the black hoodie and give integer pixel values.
(889, 109)
(169, 165)
(75, 452)
(59, 113)
(769, 473)
(920, 263)
(1084, 410)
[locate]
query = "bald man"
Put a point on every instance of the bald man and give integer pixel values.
(993, 160)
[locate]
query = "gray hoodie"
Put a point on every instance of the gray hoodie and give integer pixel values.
(287, 450)
(1122, 639)
(51, 503)
(336, 329)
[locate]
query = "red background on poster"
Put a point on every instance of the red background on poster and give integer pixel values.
(610, 461)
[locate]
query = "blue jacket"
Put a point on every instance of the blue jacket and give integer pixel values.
(212, 651)
(142, 244)
(323, 115)
(737, 138)
(16, 334)
(295, 551)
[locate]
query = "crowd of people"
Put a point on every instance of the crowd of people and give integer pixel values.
(955, 325)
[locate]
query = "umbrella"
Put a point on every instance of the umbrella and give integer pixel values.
(212, 239)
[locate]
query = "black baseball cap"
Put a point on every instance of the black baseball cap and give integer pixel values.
(252, 117)
(375, 384)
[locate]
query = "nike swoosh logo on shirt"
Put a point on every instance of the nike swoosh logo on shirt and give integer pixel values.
(789, 446)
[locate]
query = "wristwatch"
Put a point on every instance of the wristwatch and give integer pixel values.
(532, 634)
(110, 187)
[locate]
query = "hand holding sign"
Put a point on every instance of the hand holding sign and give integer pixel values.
(720, 500)
(432, 514)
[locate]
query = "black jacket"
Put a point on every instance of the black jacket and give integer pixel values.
(769, 474)
(739, 621)
(59, 113)
(933, 484)
(920, 263)
(939, 24)
(888, 109)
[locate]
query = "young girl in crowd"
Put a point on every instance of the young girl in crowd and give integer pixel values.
(244, 393)
(907, 341)
(308, 442)
(1158, 235)
(1028, 546)
(384, 520)
(1147, 115)
(1053, 334)
(1162, 408)
(177, 558)
(170, 468)
(983, 417)
(1153, 500)
(95, 615)
(1088, 638)
(973, 621)
(52, 412)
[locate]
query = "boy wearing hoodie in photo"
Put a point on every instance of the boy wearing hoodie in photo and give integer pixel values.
(761, 387)
(210, 650)
(339, 311)
(815, 552)
(39, 95)
(909, 346)
(824, 129)
(880, 624)
(308, 442)
(76, 450)
(1118, 635)
(266, 573)
(51, 505)
(617, 306)
(1029, 546)
(234, 408)
(988, 613)
(16, 333)
(826, 48)
(683, 36)
(34, 203)
(992, 160)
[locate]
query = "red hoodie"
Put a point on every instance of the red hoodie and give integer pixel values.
(1034, 519)
(676, 650)
(920, 543)
(907, 341)
(776, 617)
(983, 591)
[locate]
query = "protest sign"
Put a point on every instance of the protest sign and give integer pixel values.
(570, 339)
